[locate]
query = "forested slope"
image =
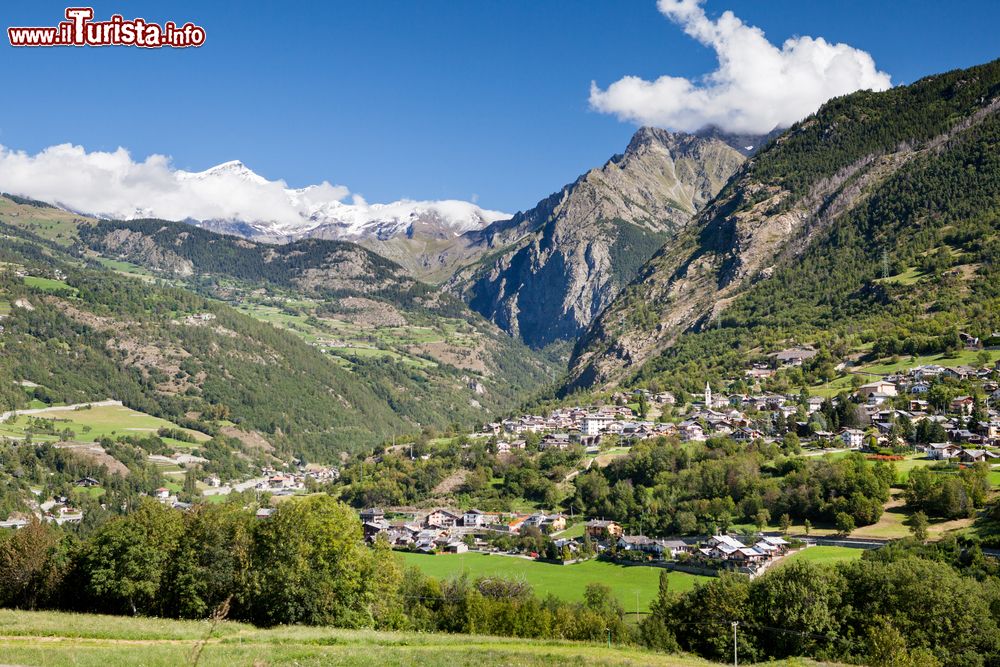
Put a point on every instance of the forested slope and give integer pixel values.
(871, 224)
(85, 333)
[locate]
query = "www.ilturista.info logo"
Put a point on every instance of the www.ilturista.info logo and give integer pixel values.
(81, 30)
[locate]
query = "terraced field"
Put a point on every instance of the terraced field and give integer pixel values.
(92, 424)
(353, 340)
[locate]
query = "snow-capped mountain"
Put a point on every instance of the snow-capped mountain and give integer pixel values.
(318, 210)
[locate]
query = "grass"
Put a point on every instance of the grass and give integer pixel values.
(90, 491)
(566, 582)
(824, 555)
(889, 367)
(961, 358)
(126, 269)
(90, 425)
(48, 223)
(892, 524)
(909, 277)
(576, 530)
(48, 284)
(348, 341)
(52, 639)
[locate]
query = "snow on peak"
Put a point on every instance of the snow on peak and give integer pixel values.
(321, 206)
(114, 185)
(231, 169)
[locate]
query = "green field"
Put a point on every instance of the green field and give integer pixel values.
(126, 269)
(92, 424)
(48, 223)
(576, 530)
(350, 341)
(48, 284)
(883, 367)
(961, 358)
(563, 581)
(909, 277)
(49, 639)
(825, 555)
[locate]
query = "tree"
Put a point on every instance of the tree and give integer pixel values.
(310, 566)
(30, 567)
(655, 630)
(800, 595)
(761, 518)
(808, 526)
(124, 564)
(211, 563)
(785, 522)
(918, 525)
(886, 645)
(845, 523)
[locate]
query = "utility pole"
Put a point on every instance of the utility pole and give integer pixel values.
(736, 661)
(609, 636)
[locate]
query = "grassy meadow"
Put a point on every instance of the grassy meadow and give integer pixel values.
(92, 424)
(52, 639)
(566, 582)
(823, 555)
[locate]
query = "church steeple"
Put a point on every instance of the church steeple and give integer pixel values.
(708, 395)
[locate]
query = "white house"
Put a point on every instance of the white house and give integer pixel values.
(880, 387)
(853, 438)
(940, 451)
(595, 424)
(473, 518)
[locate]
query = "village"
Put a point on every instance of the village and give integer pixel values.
(887, 415)
(881, 407)
(455, 532)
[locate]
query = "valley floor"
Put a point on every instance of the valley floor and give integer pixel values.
(51, 639)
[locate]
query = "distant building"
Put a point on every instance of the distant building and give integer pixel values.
(599, 529)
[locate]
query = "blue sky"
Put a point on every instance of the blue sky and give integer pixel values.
(431, 99)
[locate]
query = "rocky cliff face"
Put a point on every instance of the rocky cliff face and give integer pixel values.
(780, 203)
(546, 273)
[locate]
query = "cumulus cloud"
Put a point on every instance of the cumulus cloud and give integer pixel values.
(756, 87)
(116, 186)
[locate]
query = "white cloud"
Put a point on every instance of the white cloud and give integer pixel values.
(114, 185)
(756, 87)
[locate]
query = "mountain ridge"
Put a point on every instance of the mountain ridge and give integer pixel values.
(852, 153)
(548, 271)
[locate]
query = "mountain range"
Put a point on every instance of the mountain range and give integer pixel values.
(543, 274)
(320, 214)
(870, 226)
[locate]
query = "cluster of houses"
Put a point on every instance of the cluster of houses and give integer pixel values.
(749, 417)
(716, 551)
(58, 510)
(728, 551)
(451, 530)
(272, 481)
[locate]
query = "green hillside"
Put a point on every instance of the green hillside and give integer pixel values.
(871, 227)
(52, 639)
(324, 380)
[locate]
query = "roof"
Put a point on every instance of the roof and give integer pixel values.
(731, 542)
